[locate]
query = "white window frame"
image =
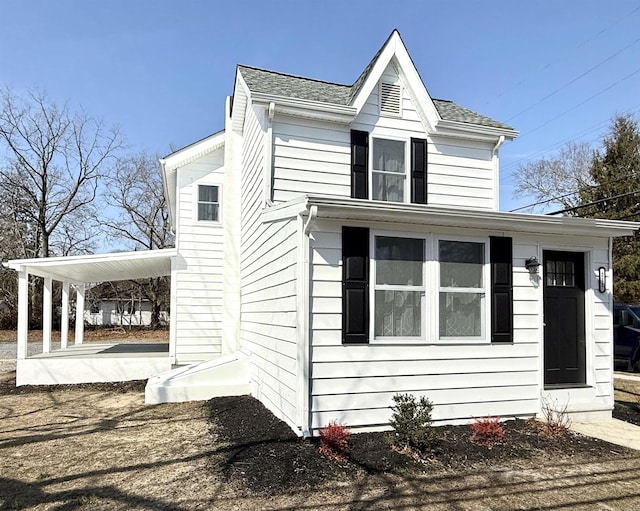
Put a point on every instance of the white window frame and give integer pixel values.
(486, 285)
(407, 155)
(196, 202)
(373, 286)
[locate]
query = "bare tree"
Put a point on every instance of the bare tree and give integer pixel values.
(558, 180)
(54, 162)
(135, 190)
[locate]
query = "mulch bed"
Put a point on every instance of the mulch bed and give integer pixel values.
(268, 458)
(628, 412)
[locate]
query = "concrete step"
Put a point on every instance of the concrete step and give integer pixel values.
(224, 376)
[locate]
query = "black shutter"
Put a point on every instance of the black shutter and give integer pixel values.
(418, 171)
(355, 285)
(359, 164)
(501, 289)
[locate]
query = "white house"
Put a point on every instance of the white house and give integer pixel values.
(338, 244)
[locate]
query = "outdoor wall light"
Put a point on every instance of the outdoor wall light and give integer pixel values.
(532, 265)
(602, 279)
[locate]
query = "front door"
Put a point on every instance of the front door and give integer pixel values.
(564, 332)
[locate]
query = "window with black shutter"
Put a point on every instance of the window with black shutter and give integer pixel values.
(355, 285)
(359, 164)
(418, 171)
(501, 289)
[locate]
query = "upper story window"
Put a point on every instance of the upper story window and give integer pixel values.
(208, 203)
(388, 170)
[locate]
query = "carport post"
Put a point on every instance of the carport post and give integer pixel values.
(46, 315)
(79, 313)
(64, 325)
(23, 312)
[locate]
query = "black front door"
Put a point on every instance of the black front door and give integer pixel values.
(564, 335)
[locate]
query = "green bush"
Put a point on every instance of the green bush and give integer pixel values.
(411, 423)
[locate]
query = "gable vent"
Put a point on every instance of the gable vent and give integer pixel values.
(390, 98)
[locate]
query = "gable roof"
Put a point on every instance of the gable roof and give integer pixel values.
(292, 86)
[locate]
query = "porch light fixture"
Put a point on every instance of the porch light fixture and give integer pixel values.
(602, 279)
(532, 265)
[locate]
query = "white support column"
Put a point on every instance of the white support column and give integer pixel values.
(23, 313)
(79, 314)
(64, 325)
(46, 315)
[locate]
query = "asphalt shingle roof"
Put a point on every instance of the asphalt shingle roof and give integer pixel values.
(299, 87)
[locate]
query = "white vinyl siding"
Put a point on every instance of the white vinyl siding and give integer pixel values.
(355, 384)
(310, 157)
(197, 283)
(459, 172)
(314, 157)
(268, 276)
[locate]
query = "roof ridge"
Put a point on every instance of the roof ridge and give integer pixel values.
(294, 76)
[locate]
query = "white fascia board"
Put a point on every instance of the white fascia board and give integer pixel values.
(169, 182)
(408, 73)
(194, 151)
(171, 163)
(376, 72)
(456, 128)
(416, 214)
(241, 97)
(307, 108)
(62, 268)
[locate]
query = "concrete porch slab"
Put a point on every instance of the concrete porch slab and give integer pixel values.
(94, 363)
(614, 431)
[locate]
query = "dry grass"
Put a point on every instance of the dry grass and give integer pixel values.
(96, 335)
(96, 448)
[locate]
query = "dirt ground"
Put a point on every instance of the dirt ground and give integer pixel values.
(98, 447)
(120, 334)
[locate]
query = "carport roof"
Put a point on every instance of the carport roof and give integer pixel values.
(100, 267)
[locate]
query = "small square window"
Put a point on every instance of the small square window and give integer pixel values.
(208, 203)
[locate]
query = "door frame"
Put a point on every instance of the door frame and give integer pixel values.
(589, 277)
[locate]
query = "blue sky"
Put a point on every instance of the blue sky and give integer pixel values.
(160, 69)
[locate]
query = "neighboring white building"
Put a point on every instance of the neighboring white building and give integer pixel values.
(338, 244)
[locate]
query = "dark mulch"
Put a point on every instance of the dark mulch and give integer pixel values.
(8, 386)
(627, 411)
(268, 458)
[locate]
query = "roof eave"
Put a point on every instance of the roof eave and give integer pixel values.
(415, 214)
(307, 108)
(457, 126)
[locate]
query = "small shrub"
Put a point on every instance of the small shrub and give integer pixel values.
(411, 423)
(334, 441)
(557, 420)
(487, 431)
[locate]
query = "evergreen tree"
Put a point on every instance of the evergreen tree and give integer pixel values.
(615, 172)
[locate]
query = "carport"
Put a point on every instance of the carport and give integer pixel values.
(76, 364)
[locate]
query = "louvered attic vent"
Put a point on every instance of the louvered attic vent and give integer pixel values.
(390, 98)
